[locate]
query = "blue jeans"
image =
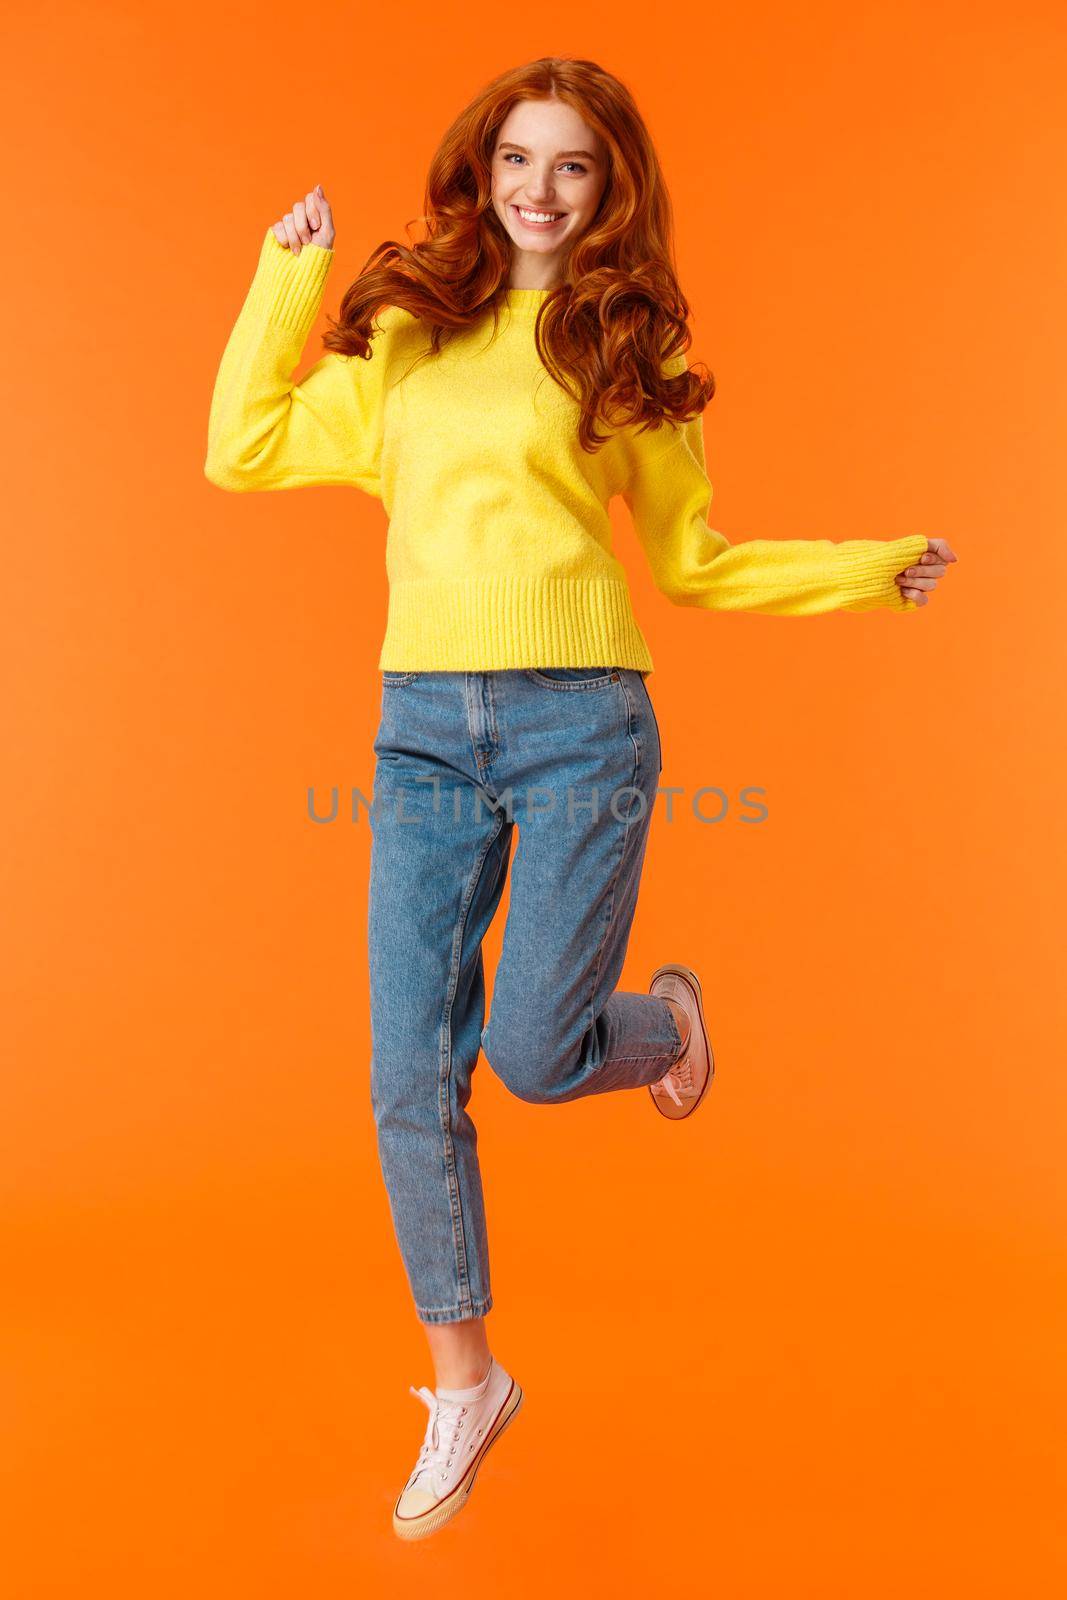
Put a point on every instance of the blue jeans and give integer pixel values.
(572, 756)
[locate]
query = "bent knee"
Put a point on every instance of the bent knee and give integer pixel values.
(526, 1071)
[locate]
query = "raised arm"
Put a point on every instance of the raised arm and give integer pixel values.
(264, 431)
(669, 496)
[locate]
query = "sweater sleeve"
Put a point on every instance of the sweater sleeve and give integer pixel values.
(669, 495)
(264, 431)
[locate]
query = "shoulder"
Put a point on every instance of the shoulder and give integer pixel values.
(392, 332)
(394, 319)
(674, 366)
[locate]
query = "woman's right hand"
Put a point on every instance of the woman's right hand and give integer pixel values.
(309, 222)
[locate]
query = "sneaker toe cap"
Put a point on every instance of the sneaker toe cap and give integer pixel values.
(415, 1503)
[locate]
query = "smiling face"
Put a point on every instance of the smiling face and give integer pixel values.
(549, 172)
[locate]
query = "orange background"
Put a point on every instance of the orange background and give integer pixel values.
(812, 1343)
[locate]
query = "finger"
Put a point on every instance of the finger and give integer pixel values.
(291, 233)
(280, 234)
(941, 550)
(301, 221)
(917, 583)
(936, 571)
(324, 204)
(923, 585)
(311, 206)
(914, 594)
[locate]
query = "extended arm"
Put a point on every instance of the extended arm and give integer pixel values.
(669, 496)
(264, 431)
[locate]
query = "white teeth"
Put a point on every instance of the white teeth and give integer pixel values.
(539, 216)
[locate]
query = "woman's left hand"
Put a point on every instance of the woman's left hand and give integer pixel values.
(918, 582)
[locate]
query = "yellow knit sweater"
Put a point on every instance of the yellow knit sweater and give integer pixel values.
(499, 550)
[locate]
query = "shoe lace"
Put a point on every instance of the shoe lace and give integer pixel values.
(443, 1429)
(678, 1073)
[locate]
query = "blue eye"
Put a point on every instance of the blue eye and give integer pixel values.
(509, 154)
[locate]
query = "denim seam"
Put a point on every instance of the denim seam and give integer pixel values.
(659, 1055)
(444, 1085)
(455, 1313)
(568, 685)
(622, 846)
(655, 718)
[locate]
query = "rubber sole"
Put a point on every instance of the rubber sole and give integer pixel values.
(678, 971)
(453, 1503)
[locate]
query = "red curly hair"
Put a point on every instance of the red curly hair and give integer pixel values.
(617, 317)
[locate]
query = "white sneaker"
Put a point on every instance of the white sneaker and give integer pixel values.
(685, 1083)
(458, 1434)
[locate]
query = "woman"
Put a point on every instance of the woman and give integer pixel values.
(463, 386)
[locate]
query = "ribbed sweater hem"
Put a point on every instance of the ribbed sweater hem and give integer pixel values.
(488, 624)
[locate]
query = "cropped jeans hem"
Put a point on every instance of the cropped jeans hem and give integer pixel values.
(465, 1313)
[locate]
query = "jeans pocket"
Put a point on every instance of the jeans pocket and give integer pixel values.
(573, 677)
(391, 679)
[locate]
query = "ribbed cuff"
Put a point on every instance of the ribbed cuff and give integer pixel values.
(287, 290)
(869, 582)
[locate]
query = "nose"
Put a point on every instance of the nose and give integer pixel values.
(542, 192)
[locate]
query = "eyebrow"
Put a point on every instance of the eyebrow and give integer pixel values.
(506, 144)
